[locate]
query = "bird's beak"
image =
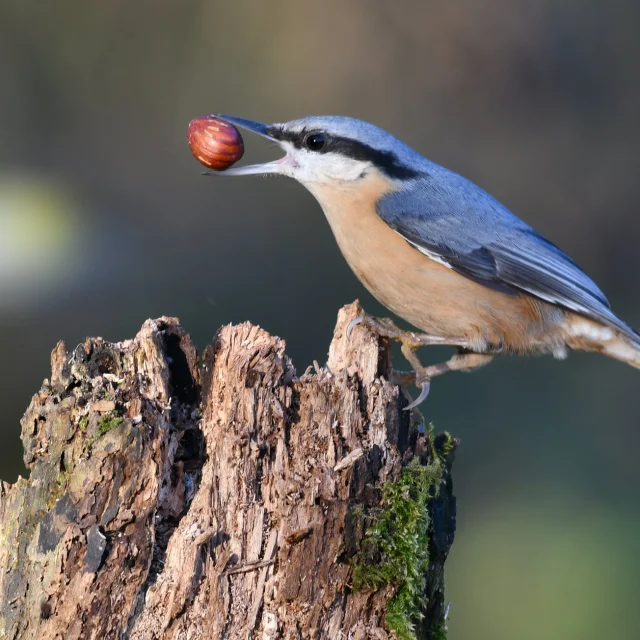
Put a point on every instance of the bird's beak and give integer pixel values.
(276, 166)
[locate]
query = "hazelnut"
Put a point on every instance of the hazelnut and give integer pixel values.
(215, 143)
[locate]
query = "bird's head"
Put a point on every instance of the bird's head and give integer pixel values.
(331, 149)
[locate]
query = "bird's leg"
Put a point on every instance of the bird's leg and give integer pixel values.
(386, 328)
(410, 342)
(421, 378)
(462, 361)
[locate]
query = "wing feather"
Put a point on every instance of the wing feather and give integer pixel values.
(446, 217)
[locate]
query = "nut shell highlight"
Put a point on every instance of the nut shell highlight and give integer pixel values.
(215, 143)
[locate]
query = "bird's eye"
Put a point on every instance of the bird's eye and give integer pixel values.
(315, 141)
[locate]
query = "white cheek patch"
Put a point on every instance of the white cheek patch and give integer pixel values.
(308, 166)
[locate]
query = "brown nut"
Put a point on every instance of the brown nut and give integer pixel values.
(214, 142)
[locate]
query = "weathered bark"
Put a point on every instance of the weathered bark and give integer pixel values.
(228, 499)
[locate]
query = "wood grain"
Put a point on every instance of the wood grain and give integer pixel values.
(173, 497)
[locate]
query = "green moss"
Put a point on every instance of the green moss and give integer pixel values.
(83, 423)
(107, 422)
(441, 633)
(58, 488)
(446, 447)
(396, 545)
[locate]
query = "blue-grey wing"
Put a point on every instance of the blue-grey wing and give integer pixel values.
(451, 220)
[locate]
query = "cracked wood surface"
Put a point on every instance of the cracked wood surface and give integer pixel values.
(173, 498)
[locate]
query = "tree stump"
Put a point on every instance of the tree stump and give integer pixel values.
(225, 498)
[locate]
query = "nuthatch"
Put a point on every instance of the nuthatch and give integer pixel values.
(440, 252)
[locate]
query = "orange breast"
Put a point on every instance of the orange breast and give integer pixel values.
(423, 292)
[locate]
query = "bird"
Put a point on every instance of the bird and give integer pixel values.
(440, 252)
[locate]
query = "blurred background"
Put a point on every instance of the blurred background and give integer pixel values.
(105, 221)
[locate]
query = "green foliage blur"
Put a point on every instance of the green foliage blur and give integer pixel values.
(105, 221)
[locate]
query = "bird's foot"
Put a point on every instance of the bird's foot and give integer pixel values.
(386, 328)
(409, 341)
(408, 378)
(422, 379)
(465, 360)
(425, 387)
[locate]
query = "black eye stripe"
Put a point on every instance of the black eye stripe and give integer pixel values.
(385, 161)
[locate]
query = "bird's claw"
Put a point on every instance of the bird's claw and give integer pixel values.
(426, 386)
(352, 324)
(382, 326)
(386, 328)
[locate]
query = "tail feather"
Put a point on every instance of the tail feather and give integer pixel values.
(618, 342)
(623, 349)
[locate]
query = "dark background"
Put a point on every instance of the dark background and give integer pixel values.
(105, 221)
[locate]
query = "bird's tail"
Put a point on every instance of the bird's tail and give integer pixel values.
(619, 342)
(621, 348)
